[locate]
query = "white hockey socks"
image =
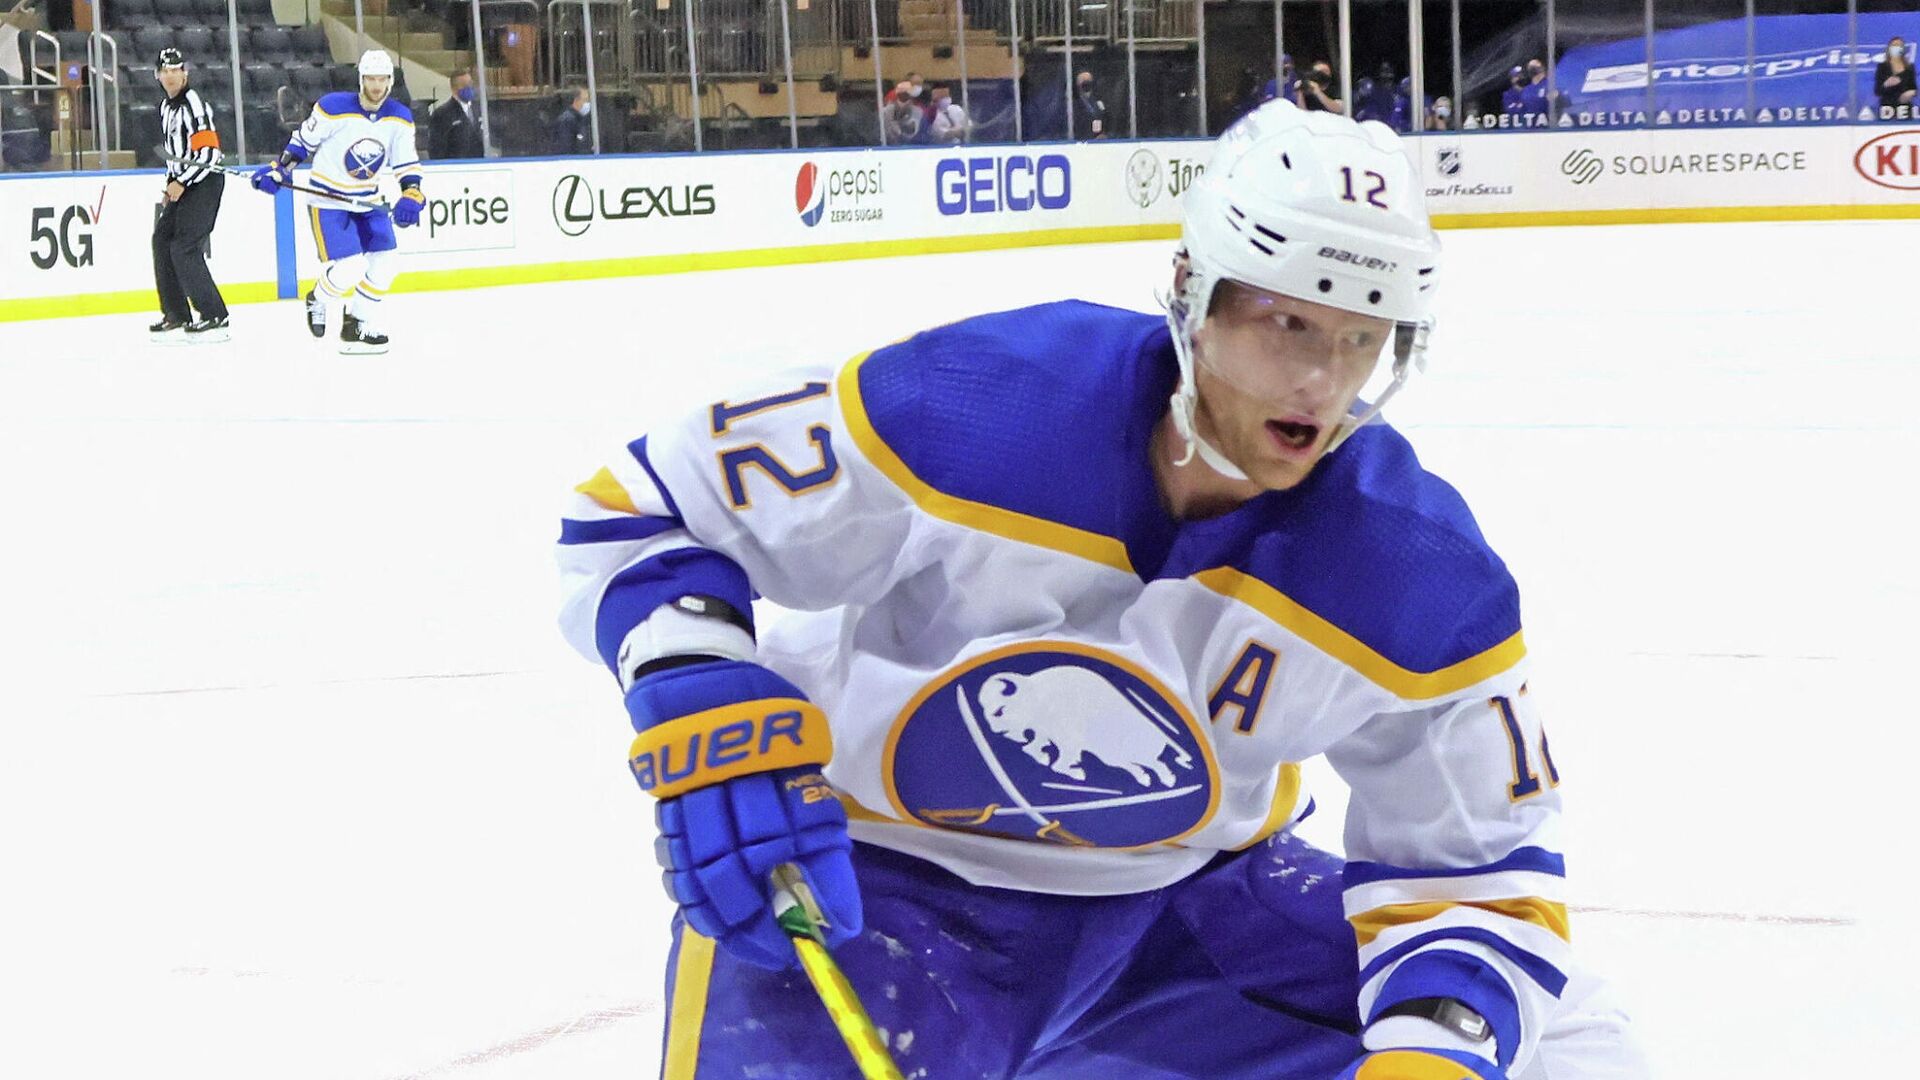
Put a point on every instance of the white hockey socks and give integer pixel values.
(371, 290)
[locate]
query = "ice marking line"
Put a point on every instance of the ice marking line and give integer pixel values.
(534, 1040)
(1717, 916)
(319, 682)
(1730, 656)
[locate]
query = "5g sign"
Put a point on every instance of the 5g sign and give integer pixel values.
(64, 235)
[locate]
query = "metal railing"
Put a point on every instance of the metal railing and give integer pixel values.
(106, 118)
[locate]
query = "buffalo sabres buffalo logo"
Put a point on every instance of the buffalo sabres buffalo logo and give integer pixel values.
(364, 158)
(1052, 741)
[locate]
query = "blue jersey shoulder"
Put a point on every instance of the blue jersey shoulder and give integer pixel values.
(339, 103)
(1388, 552)
(394, 110)
(1047, 411)
(1024, 410)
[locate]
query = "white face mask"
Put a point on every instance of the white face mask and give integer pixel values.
(1897, 52)
(586, 108)
(917, 88)
(1442, 111)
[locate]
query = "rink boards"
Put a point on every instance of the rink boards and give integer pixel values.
(550, 219)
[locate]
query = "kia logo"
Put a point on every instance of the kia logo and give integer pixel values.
(1891, 160)
(1582, 166)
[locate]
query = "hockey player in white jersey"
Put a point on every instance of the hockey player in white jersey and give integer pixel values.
(351, 140)
(1074, 590)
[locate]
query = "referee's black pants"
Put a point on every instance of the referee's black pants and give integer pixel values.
(179, 270)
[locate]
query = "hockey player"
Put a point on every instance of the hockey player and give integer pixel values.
(351, 140)
(1073, 589)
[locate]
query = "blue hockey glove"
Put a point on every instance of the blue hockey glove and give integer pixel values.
(1423, 1065)
(407, 211)
(733, 751)
(270, 178)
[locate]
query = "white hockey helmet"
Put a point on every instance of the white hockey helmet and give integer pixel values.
(376, 62)
(1313, 206)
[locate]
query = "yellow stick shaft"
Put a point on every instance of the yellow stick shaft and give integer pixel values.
(850, 1018)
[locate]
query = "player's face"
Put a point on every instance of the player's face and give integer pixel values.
(1276, 377)
(374, 88)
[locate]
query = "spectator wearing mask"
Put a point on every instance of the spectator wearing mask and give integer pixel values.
(1533, 95)
(1513, 99)
(1089, 112)
(453, 131)
(911, 89)
(1440, 114)
(1373, 98)
(904, 120)
(1317, 92)
(572, 131)
(1893, 81)
(950, 123)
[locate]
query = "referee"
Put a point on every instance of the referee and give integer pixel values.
(194, 187)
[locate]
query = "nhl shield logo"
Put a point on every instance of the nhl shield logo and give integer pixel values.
(1447, 159)
(1054, 742)
(364, 158)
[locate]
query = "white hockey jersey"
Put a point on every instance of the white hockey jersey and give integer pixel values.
(349, 148)
(1038, 679)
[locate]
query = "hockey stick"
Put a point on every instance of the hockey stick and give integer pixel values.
(799, 915)
(344, 200)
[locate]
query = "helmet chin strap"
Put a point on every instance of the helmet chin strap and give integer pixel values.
(1183, 403)
(1196, 295)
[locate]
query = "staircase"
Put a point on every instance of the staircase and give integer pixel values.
(420, 38)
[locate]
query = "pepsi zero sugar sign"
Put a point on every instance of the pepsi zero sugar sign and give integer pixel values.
(838, 196)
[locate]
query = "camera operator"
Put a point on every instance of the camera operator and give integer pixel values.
(1317, 92)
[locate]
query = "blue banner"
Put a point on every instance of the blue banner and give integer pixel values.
(1801, 70)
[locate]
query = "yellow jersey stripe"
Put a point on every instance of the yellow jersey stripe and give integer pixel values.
(1546, 914)
(354, 187)
(319, 236)
(602, 488)
(1286, 793)
(689, 1012)
(1356, 654)
(999, 521)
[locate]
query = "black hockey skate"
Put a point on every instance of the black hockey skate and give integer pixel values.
(168, 331)
(356, 342)
(207, 331)
(316, 314)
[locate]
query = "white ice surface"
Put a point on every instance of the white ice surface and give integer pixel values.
(297, 780)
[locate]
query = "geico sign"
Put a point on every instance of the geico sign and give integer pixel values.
(1891, 160)
(986, 185)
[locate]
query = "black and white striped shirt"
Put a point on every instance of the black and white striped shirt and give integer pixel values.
(190, 134)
